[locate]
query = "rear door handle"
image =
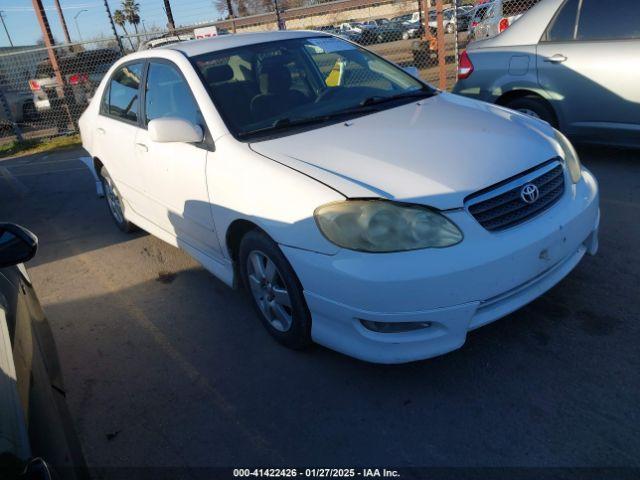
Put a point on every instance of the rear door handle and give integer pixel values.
(557, 58)
(100, 130)
(142, 146)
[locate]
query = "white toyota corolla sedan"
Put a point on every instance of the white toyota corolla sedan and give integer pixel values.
(322, 178)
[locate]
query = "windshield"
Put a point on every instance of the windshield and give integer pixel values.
(280, 86)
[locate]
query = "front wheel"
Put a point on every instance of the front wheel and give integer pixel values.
(114, 202)
(534, 107)
(275, 290)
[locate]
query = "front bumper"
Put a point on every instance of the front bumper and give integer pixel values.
(455, 290)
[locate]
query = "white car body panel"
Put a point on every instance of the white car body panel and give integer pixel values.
(402, 153)
(191, 198)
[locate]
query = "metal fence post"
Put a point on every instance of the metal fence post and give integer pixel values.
(442, 51)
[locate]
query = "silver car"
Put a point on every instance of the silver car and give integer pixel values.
(491, 19)
(573, 63)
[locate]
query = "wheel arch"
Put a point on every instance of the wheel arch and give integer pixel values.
(234, 234)
(97, 166)
(518, 93)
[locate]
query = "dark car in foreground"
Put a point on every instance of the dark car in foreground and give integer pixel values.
(37, 438)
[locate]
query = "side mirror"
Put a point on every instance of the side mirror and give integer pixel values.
(17, 245)
(413, 71)
(173, 129)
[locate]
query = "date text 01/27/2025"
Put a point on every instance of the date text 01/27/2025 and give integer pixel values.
(315, 473)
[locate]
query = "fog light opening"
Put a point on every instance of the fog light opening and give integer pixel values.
(394, 327)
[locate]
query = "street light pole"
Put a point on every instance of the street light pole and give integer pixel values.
(5, 27)
(75, 20)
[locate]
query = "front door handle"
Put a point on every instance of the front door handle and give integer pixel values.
(100, 130)
(557, 58)
(142, 146)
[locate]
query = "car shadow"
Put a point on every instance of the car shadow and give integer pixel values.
(54, 196)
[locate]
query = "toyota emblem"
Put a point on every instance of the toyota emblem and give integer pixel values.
(530, 193)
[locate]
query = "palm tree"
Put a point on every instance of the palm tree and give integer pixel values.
(131, 11)
(120, 19)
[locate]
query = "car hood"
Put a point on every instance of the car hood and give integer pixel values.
(435, 152)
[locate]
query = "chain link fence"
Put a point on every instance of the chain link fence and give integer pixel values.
(44, 91)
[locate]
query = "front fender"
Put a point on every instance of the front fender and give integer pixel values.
(244, 185)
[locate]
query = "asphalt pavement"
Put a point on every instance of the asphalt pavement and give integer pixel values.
(166, 366)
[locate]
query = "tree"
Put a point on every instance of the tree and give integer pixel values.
(120, 19)
(131, 10)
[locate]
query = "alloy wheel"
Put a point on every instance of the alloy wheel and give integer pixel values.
(269, 291)
(113, 199)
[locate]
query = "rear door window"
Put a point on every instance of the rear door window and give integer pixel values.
(617, 20)
(563, 27)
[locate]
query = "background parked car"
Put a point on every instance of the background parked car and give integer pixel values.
(352, 27)
(17, 106)
(573, 64)
(494, 18)
(463, 20)
(448, 18)
(412, 29)
(36, 431)
(165, 40)
(382, 30)
(81, 73)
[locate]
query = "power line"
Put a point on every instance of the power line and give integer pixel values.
(5, 28)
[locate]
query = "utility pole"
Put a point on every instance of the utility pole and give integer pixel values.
(113, 27)
(65, 30)
(5, 27)
(53, 57)
(170, 22)
(231, 16)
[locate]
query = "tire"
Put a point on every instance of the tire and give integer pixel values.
(288, 324)
(114, 202)
(535, 107)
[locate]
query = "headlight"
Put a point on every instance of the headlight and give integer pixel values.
(570, 157)
(383, 226)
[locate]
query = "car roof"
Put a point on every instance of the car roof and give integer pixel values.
(198, 47)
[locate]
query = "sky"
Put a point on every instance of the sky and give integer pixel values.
(23, 27)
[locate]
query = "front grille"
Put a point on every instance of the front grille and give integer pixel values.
(507, 209)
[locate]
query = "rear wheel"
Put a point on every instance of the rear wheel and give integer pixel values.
(114, 202)
(534, 107)
(275, 290)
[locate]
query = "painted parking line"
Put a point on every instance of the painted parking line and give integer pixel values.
(14, 184)
(35, 163)
(47, 172)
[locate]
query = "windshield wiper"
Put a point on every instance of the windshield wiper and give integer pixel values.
(378, 99)
(286, 123)
(368, 105)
